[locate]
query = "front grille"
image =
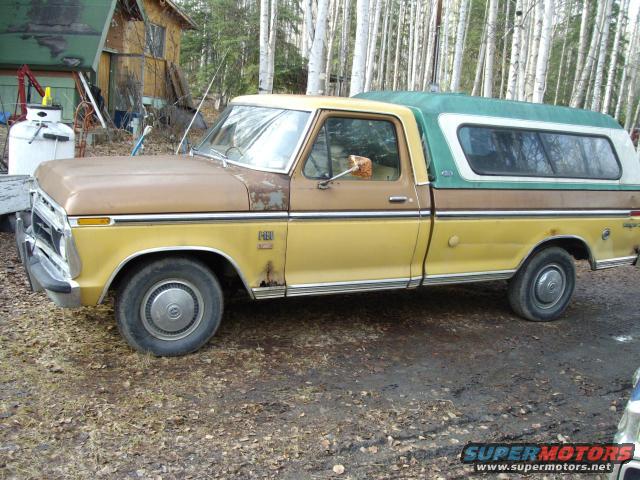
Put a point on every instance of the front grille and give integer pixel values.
(46, 233)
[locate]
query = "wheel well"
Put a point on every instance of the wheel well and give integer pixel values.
(575, 246)
(222, 267)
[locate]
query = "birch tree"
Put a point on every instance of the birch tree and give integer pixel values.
(344, 45)
(582, 45)
(602, 54)
(317, 49)
(515, 59)
(490, 48)
(268, 16)
(540, 81)
(626, 68)
(372, 46)
(396, 61)
(580, 92)
(613, 63)
(360, 47)
(534, 48)
(458, 50)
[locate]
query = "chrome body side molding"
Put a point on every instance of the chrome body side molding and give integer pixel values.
(260, 293)
(458, 214)
(468, 277)
(346, 287)
(615, 262)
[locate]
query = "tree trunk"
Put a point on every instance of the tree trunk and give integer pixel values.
(503, 68)
(613, 63)
(490, 48)
(396, 61)
(373, 46)
(477, 81)
(602, 55)
(582, 45)
(540, 82)
(344, 45)
(273, 30)
(335, 8)
(360, 47)
(317, 49)
(567, 19)
(383, 47)
(515, 59)
(625, 69)
(307, 27)
(458, 51)
(534, 49)
(412, 53)
(525, 40)
(578, 97)
(263, 73)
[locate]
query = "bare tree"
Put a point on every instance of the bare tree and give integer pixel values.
(344, 45)
(540, 82)
(613, 63)
(373, 43)
(534, 48)
(268, 17)
(582, 44)
(489, 56)
(317, 49)
(515, 59)
(360, 47)
(625, 69)
(568, 4)
(396, 62)
(580, 92)
(602, 54)
(458, 51)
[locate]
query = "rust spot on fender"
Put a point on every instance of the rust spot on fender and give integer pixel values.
(270, 277)
(267, 191)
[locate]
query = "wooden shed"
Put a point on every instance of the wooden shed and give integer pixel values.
(126, 47)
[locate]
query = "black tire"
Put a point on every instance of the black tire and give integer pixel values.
(180, 294)
(542, 288)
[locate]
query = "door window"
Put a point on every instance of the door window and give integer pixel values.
(341, 137)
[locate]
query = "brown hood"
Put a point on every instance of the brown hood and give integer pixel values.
(145, 184)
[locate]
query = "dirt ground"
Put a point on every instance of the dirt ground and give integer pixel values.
(387, 385)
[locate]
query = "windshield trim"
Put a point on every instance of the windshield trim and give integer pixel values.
(287, 168)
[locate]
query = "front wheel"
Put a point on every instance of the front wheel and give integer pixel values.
(169, 307)
(542, 289)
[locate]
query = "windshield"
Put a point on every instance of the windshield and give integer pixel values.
(258, 137)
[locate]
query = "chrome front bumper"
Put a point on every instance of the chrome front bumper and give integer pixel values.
(42, 274)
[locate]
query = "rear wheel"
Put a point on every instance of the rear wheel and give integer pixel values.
(542, 289)
(169, 307)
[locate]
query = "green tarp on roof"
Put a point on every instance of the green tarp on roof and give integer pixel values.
(53, 34)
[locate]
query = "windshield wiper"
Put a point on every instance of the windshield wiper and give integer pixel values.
(213, 153)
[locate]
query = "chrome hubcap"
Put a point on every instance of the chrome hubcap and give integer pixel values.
(549, 286)
(172, 309)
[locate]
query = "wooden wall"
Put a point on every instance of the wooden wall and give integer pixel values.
(129, 37)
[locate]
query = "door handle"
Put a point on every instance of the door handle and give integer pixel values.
(397, 199)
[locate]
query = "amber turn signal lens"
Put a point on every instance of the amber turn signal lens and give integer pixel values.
(94, 221)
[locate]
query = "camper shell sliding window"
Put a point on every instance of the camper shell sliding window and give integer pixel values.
(494, 150)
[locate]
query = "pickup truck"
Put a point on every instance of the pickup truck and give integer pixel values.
(297, 195)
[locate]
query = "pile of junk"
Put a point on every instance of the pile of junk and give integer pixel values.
(36, 133)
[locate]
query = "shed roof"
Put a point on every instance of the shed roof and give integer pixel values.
(433, 104)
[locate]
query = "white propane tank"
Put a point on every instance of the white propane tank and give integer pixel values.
(41, 137)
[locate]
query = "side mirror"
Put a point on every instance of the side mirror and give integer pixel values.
(361, 167)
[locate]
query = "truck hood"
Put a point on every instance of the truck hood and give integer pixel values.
(144, 184)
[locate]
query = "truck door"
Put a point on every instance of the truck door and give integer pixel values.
(356, 234)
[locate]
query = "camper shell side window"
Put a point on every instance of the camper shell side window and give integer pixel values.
(492, 150)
